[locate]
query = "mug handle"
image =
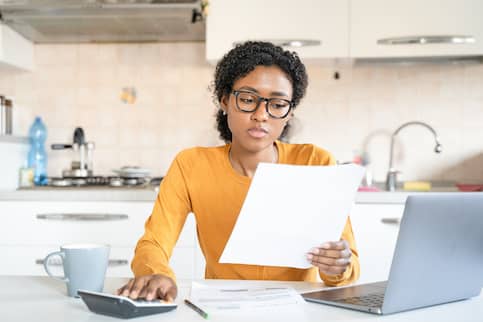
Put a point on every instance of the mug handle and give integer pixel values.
(46, 267)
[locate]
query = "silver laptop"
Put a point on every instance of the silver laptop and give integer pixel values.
(438, 258)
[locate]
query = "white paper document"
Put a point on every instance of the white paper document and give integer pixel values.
(236, 297)
(290, 209)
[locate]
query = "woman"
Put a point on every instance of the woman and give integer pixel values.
(258, 86)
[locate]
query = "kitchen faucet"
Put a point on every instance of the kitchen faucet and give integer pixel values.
(391, 179)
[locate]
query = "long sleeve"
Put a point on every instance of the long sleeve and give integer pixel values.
(164, 226)
(202, 180)
(352, 272)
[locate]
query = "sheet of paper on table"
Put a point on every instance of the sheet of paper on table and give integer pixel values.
(290, 209)
(237, 296)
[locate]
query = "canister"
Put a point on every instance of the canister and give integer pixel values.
(8, 116)
(3, 116)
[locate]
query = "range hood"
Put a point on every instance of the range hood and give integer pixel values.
(100, 21)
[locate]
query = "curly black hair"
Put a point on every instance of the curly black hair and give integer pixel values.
(241, 60)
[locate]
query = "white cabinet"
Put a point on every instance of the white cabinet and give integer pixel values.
(350, 28)
(16, 52)
(31, 230)
(405, 22)
(376, 227)
(232, 21)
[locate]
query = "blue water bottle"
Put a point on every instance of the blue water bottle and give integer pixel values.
(37, 158)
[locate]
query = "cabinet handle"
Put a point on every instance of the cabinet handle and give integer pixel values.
(53, 262)
(58, 262)
(290, 42)
(83, 217)
(118, 262)
(391, 221)
(422, 40)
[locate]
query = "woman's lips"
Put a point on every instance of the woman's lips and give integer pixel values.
(257, 132)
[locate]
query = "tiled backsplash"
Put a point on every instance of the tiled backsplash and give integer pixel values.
(80, 85)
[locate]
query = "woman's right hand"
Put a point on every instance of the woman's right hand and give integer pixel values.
(150, 287)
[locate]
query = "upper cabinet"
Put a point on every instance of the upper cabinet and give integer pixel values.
(313, 28)
(349, 28)
(16, 52)
(411, 28)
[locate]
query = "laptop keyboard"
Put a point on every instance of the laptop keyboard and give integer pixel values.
(370, 300)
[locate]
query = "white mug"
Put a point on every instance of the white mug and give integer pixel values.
(84, 266)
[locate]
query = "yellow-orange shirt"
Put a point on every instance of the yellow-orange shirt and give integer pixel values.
(202, 181)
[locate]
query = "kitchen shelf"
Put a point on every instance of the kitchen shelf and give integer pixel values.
(14, 139)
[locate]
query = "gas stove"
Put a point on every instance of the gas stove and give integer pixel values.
(102, 181)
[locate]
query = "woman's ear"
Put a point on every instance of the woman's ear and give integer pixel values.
(224, 103)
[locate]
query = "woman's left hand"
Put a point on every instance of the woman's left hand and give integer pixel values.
(331, 258)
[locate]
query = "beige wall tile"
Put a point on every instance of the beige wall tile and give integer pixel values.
(472, 113)
(57, 55)
(90, 55)
(80, 85)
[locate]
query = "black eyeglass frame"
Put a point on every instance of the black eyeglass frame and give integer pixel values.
(260, 99)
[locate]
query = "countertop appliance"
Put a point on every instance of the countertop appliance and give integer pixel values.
(81, 173)
(82, 165)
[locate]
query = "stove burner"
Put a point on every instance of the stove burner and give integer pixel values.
(130, 181)
(115, 182)
(60, 182)
(97, 181)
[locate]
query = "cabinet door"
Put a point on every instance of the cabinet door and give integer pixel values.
(57, 223)
(28, 260)
(232, 21)
(376, 227)
(31, 230)
(372, 21)
(16, 52)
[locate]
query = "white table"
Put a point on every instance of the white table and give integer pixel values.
(44, 299)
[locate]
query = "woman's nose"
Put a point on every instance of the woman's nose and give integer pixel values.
(261, 114)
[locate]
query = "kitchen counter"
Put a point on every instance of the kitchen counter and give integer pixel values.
(14, 139)
(149, 194)
(44, 299)
(80, 194)
(396, 197)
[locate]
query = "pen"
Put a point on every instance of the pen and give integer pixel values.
(196, 309)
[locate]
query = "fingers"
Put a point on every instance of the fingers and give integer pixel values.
(150, 287)
(162, 288)
(171, 293)
(332, 249)
(331, 253)
(331, 257)
(331, 270)
(151, 290)
(343, 262)
(169, 298)
(137, 287)
(126, 289)
(331, 265)
(144, 291)
(337, 245)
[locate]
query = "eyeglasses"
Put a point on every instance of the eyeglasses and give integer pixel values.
(249, 102)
